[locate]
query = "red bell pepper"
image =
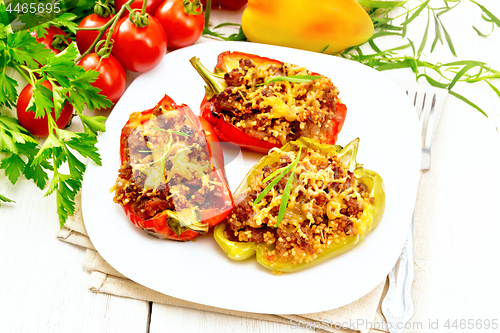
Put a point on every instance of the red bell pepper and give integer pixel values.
(216, 83)
(168, 223)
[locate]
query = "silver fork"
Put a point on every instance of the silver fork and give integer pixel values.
(398, 306)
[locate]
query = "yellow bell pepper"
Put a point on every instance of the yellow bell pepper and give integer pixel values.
(320, 25)
(369, 219)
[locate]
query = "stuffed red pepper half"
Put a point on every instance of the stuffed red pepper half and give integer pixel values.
(171, 181)
(261, 103)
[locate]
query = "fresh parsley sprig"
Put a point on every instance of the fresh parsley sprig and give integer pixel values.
(63, 149)
(20, 148)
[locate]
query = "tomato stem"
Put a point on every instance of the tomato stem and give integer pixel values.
(207, 13)
(102, 29)
(103, 9)
(59, 41)
(192, 7)
(140, 20)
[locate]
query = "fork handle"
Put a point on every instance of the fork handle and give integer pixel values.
(399, 293)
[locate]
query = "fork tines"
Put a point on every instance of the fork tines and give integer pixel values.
(425, 111)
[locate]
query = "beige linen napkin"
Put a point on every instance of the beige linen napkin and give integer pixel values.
(363, 315)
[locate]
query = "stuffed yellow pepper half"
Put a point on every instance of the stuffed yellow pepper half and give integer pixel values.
(302, 204)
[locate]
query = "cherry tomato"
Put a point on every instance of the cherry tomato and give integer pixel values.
(182, 29)
(112, 80)
(49, 41)
(151, 6)
(40, 126)
(84, 39)
(139, 49)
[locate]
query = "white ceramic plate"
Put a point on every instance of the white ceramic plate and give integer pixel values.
(379, 113)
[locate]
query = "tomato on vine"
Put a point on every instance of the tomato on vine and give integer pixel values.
(151, 5)
(54, 39)
(112, 78)
(182, 20)
(40, 126)
(140, 45)
(85, 38)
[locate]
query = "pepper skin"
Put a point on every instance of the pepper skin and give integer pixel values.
(328, 26)
(227, 61)
(162, 223)
(369, 220)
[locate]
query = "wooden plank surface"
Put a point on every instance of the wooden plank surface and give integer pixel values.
(166, 318)
(43, 287)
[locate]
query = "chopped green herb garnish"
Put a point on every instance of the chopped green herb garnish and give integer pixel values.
(286, 191)
(291, 78)
(170, 131)
(5, 199)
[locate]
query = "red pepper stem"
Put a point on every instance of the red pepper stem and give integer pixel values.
(215, 82)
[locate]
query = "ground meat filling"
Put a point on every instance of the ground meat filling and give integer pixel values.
(167, 166)
(278, 112)
(325, 206)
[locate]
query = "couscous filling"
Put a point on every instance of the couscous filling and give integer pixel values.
(325, 206)
(167, 167)
(281, 111)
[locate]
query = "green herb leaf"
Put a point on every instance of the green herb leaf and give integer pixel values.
(278, 175)
(13, 166)
(270, 186)
(170, 131)
(424, 37)
(462, 98)
(8, 93)
(37, 173)
(480, 33)
(291, 78)
(275, 173)
(5, 199)
(85, 145)
(492, 17)
(25, 50)
(93, 124)
(286, 192)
